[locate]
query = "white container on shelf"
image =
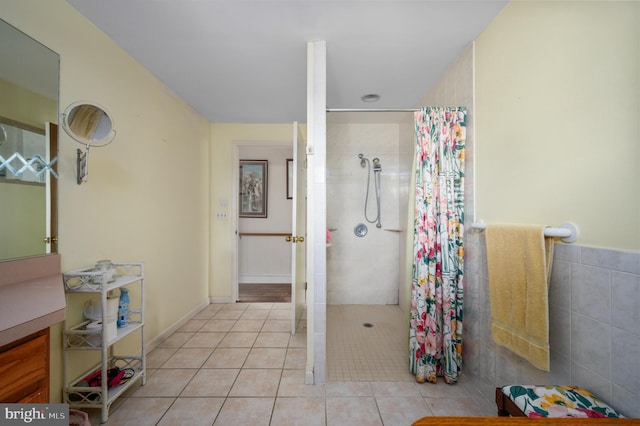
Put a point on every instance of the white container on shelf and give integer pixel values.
(93, 309)
(108, 271)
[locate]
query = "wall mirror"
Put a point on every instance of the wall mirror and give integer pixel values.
(91, 125)
(88, 123)
(29, 83)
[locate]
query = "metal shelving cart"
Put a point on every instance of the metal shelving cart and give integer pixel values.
(77, 392)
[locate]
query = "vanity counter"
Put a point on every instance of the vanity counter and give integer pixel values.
(31, 296)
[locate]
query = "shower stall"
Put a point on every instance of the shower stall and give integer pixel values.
(368, 174)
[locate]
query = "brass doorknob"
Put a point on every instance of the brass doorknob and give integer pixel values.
(294, 239)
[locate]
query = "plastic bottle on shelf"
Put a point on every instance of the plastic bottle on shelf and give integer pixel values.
(123, 308)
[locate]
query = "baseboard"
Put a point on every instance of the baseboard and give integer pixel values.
(153, 343)
(264, 279)
(226, 299)
(308, 377)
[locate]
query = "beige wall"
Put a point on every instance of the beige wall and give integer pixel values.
(26, 107)
(224, 137)
(557, 107)
(147, 194)
(23, 219)
(23, 202)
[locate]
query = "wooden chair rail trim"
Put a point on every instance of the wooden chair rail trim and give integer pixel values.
(264, 234)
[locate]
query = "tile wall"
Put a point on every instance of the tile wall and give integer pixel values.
(594, 326)
(365, 270)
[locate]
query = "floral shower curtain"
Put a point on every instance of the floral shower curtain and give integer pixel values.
(435, 339)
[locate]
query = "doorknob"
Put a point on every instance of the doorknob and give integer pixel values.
(293, 239)
(48, 240)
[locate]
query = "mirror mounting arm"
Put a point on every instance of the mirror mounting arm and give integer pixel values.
(83, 165)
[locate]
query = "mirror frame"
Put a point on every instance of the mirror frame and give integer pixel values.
(66, 125)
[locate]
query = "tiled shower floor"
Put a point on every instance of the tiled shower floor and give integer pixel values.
(367, 343)
(237, 364)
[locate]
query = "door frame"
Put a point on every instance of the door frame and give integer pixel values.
(235, 208)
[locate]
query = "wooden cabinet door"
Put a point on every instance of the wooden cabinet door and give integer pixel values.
(24, 369)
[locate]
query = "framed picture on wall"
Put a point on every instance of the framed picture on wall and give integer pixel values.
(289, 178)
(253, 188)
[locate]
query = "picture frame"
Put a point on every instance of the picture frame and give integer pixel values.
(289, 178)
(253, 188)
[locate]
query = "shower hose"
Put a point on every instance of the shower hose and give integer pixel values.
(376, 176)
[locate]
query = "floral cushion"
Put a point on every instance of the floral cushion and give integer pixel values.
(557, 401)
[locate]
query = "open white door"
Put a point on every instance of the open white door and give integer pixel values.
(298, 229)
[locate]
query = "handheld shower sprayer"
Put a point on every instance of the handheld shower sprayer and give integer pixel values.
(377, 168)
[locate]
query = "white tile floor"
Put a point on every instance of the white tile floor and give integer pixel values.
(237, 364)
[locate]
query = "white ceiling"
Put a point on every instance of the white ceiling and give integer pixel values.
(245, 60)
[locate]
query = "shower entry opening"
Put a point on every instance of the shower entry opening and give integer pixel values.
(359, 266)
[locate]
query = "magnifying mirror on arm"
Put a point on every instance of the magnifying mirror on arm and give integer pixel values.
(91, 125)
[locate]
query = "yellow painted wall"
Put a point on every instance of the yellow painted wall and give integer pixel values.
(224, 136)
(23, 230)
(26, 107)
(557, 118)
(26, 226)
(147, 194)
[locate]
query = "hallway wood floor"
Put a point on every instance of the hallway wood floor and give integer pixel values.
(257, 293)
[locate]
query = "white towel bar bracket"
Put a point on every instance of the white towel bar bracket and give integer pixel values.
(567, 231)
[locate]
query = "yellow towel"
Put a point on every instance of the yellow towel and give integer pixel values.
(519, 260)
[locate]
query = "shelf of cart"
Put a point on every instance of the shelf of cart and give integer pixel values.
(78, 337)
(83, 396)
(120, 361)
(125, 331)
(92, 280)
(88, 283)
(91, 396)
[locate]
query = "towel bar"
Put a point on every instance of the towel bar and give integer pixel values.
(567, 231)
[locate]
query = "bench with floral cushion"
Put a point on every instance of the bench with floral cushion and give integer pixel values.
(551, 401)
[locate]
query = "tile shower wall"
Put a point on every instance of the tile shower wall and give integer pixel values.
(594, 326)
(364, 270)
